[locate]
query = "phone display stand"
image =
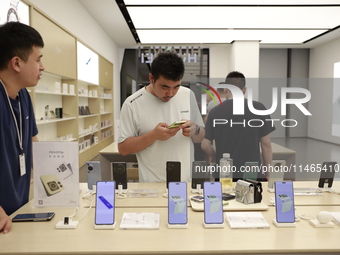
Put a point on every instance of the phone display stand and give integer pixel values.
(271, 190)
(178, 225)
(166, 194)
(70, 225)
(284, 225)
(121, 193)
(113, 226)
(326, 189)
(89, 193)
(323, 220)
(315, 223)
(120, 190)
(213, 225)
(198, 189)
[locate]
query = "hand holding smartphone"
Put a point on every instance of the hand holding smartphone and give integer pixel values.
(177, 124)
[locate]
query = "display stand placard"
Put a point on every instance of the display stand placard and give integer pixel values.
(56, 174)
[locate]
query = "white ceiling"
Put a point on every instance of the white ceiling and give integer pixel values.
(242, 24)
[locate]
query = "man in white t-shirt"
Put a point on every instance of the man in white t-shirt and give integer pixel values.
(146, 115)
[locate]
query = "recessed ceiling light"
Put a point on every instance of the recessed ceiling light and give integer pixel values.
(226, 36)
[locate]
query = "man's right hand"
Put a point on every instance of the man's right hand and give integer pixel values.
(5, 221)
(163, 133)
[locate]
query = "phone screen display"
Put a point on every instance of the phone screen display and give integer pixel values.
(177, 203)
(105, 203)
(327, 175)
(173, 172)
(33, 216)
(284, 201)
(213, 207)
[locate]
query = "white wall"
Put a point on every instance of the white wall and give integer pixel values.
(239, 56)
(245, 57)
(75, 19)
(281, 68)
(299, 73)
(273, 73)
(322, 59)
(219, 61)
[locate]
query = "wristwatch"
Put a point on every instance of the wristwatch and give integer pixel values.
(198, 128)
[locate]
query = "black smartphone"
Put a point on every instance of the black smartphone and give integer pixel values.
(284, 202)
(33, 217)
(197, 198)
(199, 173)
(177, 203)
(93, 173)
(119, 174)
(213, 207)
(173, 172)
(227, 196)
(327, 174)
(105, 203)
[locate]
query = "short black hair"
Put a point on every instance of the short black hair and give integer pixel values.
(17, 39)
(169, 65)
(236, 78)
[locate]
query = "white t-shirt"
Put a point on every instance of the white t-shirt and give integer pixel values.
(142, 112)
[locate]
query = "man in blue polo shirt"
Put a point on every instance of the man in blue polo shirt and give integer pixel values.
(20, 67)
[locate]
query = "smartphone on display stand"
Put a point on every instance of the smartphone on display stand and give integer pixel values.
(33, 217)
(177, 203)
(284, 202)
(276, 173)
(119, 174)
(198, 176)
(173, 172)
(327, 174)
(251, 170)
(213, 207)
(93, 173)
(105, 203)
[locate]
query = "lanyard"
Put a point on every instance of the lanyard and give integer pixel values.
(19, 132)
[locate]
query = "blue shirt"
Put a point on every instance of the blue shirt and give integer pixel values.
(14, 188)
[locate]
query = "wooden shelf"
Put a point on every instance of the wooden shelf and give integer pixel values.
(60, 61)
(88, 116)
(53, 93)
(42, 122)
